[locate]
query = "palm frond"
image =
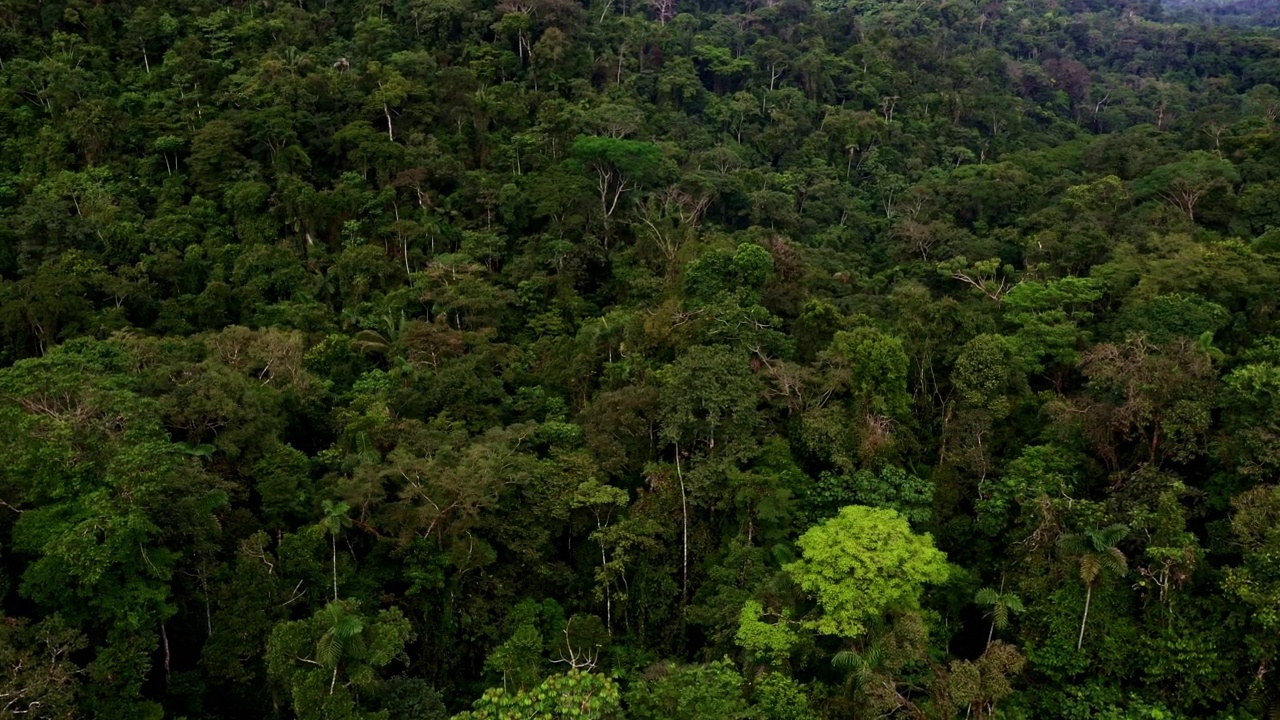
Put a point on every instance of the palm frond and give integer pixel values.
(1000, 615)
(986, 596)
(364, 445)
(348, 626)
(1090, 566)
(1072, 544)
(874, 656)
(328, 650)
(1108, 537)
(371, 341)
(848, 661)
(1115, 561)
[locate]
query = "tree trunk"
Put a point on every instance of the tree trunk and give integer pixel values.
(608, 596)
(1088, 595)
(684, 540)
(164, 636)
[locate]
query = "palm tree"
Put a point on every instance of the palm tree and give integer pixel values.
(1096, 552)
(381, 341)
(860, 666)
(335, 518)
(1001, 604)
(341, 640)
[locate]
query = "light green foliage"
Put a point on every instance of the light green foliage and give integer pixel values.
(861, 564)
(771, 641)
(575, 695)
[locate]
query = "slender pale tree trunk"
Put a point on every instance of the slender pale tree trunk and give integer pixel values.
(608, 594)
(1088, 595)
(684, 514)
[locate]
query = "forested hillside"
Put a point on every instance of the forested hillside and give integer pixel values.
(1264, 13)
(763, 360)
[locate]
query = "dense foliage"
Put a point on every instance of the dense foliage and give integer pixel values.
(776, 360)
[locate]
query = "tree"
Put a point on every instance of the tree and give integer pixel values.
(713, 691)
(105, 506)
(862, 399)
(602, 501)
(1255, 523)
(1157, 396)
(861, 564)
(978, 685)
(308, 657)
(989, 382)
(39, 680)
(1186, 182)
(1049, 315)
(334, 520)
(771, 641)
(1002, 605)
(1096, 555)
(575, 694)
(620, 166)
(778, 697)
(708, 398)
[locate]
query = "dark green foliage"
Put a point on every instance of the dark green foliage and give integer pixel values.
(713, 691)
(406, 698)
(556, 359)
